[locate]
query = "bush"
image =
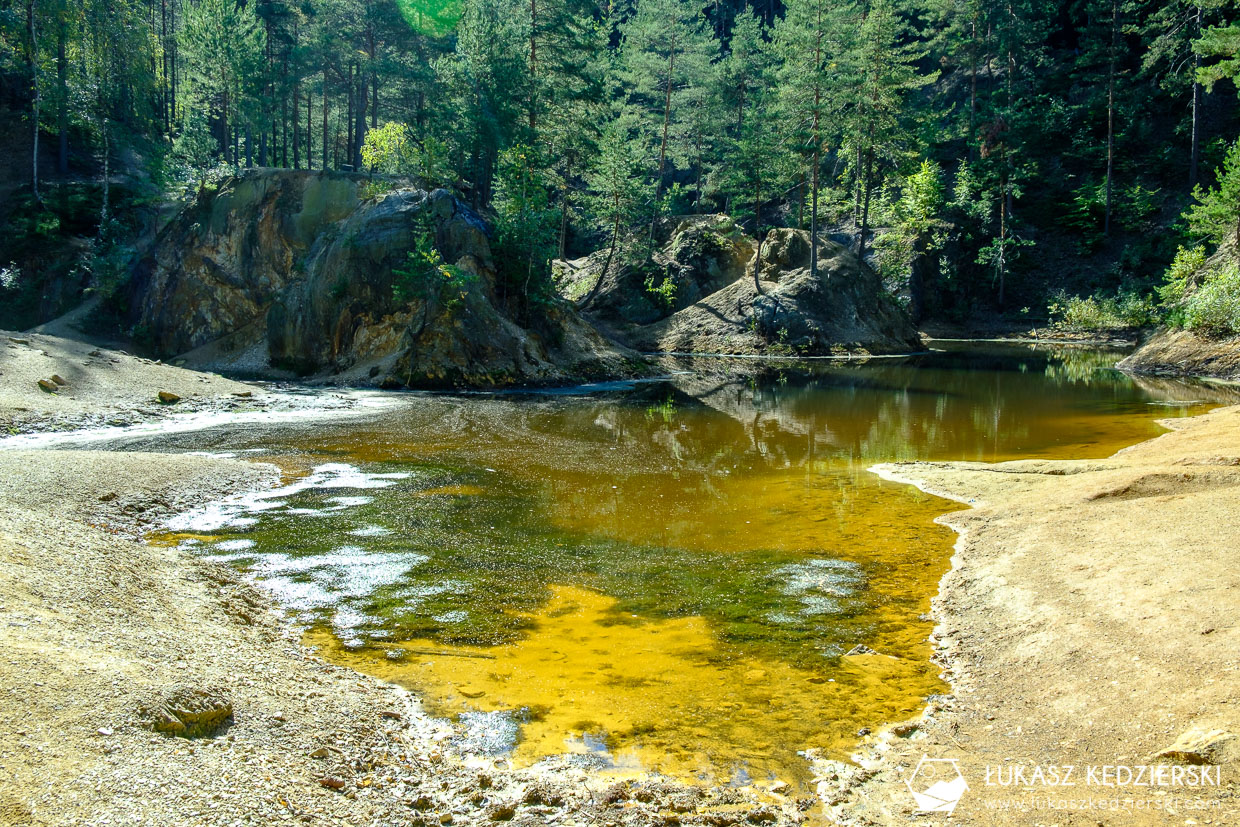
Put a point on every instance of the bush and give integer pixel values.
(1214, 308)
(1188, 263)
(1101, 312)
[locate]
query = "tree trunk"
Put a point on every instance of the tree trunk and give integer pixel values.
(296, 124)
(359, 133)
(611, 253)
(1106, 223)
(815, 155)
(325, 135)
(309, 130)
(348, 119)
(972, 139)
(34, 102)
(62, 100)
(868, 187)
(533, 67)
(757, 231)
(667, 119)
(1195, 152)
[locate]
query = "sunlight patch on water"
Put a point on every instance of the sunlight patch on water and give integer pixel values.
(657, 694)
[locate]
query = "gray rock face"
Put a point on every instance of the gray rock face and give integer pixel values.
(718, 308)
(698, 254)
(296, 271)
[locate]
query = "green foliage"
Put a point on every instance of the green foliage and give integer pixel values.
(1219, 42)
(223, 44)
(428, 278)
(389, 149)
(1200, 297)
(525, 224)
(1183, 274)
(661, 286)
(431, 17)
(194, 149)
(1214, 307)
(822, 112)
(1216, 215)
(1098, 313)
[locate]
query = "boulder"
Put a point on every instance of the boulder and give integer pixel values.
(284, 272)
(712, 305)
(168, 398)
(189, 712)
(844, 309)
(697, 254)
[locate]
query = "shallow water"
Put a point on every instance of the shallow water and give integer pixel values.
(666, 575)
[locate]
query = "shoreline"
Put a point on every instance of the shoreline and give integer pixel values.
(1035, 685)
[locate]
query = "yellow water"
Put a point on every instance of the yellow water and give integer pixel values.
(669, 577)
(654, 694)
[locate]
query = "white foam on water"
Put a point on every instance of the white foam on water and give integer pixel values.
(235, 545)
(819, 585)
(231, 512)
(370, 531)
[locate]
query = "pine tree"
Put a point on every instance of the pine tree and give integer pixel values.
(755, 156)
(813, 40)
(1216, 215)
(486, 84)
(886, 73)
(664, 59)
(616, 192)
(223, 46)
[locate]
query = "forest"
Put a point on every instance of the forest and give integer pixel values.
(1010, 159)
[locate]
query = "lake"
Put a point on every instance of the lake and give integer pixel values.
(696, 574)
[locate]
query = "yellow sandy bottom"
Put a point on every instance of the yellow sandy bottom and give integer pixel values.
(651, 695)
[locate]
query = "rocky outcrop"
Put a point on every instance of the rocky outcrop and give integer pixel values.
(303, 272)
(718, 308)
(696, 255)
(1184, 353)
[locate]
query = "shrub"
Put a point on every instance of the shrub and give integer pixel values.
(1214, 308)
(1101, 312)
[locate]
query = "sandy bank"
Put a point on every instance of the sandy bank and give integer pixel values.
(100, 386)
(1089, 619)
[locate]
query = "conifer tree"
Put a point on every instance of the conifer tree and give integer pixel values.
(665, 56)
(813, 41)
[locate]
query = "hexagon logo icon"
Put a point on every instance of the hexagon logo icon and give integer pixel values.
(937, 785)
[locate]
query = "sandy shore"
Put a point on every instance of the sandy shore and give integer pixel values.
(1089, 620)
